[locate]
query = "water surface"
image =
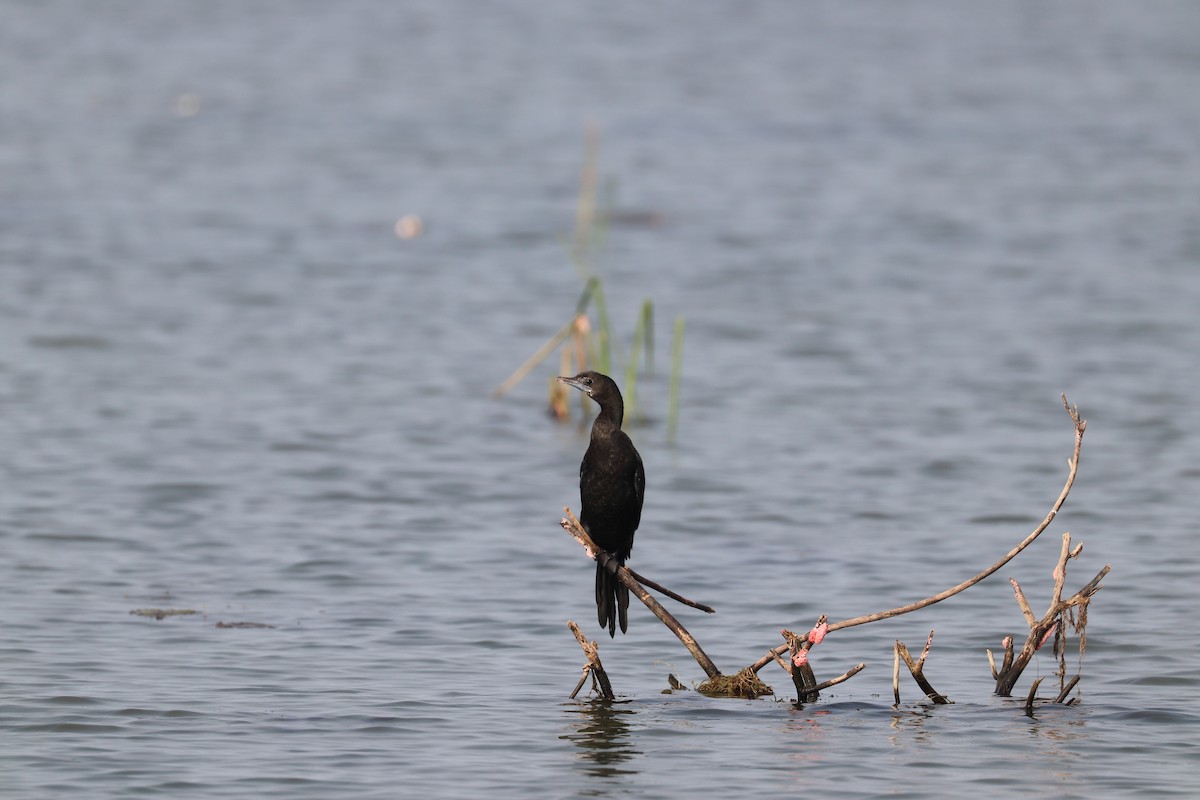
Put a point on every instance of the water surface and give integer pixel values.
(897, 235)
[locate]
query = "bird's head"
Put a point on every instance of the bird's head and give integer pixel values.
(595, 385)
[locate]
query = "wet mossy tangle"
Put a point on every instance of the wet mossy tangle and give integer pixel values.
(745, 684)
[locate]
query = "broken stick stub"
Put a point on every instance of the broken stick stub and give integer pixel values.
(593, 668)
(803, 677)
(917, 669)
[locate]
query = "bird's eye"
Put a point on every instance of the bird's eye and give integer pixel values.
(588, 381)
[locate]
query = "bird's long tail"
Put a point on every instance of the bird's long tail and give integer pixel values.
(612, 597)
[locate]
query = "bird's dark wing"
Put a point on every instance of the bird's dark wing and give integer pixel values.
(639, 489)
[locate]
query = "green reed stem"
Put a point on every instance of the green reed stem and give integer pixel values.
(647, 323)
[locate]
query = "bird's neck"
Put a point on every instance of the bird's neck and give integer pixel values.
(610, 417)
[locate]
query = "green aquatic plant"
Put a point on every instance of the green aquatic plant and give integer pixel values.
(586, 340)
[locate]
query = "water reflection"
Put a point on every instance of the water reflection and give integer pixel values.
(909, 725)
(1057, 728)
(601, 732)
(807, 724)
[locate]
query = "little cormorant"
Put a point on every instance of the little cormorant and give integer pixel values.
(612, 484)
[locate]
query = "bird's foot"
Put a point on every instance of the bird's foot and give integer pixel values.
(607, 560)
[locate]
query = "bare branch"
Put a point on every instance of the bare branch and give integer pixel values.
(1032, 696)
(535, 359)
(658, 587)
(587, 670)
(1006, 665)
(895, 671)
(1022, 602)
(1060, 570)
(845, 676)
(1066, 690)
(592, 651)
(925, 650)
(1052, 622)
(917, 668)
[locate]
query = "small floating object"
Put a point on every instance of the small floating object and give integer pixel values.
(410, 226)
(242, 625)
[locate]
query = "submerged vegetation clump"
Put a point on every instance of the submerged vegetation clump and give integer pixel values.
(745, 683)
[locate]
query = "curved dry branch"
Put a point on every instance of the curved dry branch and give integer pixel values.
(1073, 464)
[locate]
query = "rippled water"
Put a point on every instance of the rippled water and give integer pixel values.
(897, 234)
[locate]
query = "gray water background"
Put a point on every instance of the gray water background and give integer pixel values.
(897, 232)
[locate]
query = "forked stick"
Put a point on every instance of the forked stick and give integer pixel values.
(593, 668)
(1051, 624)
(917, 668)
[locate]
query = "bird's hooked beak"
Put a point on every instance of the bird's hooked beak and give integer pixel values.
(577, 383)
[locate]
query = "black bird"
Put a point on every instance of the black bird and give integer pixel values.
(612, 484)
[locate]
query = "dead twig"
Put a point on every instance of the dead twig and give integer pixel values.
(1008, 657)
(917, 668)
(545, 350)
(658, 587)
(1032, 696)
(594, 668)
(1066, 690)
(845, 676)
(1052, 623)
(1073, 469)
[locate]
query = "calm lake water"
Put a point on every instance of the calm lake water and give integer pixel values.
(897, 233)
